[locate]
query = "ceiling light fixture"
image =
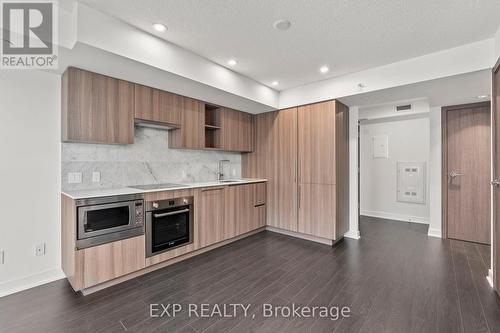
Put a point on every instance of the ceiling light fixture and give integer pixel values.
(482, 96)
(159, 27)
(282, 25)
(275, 83)
(232, 62)
(324, 69)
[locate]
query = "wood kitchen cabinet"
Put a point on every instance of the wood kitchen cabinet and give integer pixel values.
(245, 207)
(191, 134)
(96, 108)
(237, 131)
(108, 261)
(157, 106)
(316, 143)
(316, 210)
(210, 217)
(304, 154)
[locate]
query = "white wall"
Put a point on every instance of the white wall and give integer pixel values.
(497, 45)
(409, 138)
(29, 177)
(435, 172)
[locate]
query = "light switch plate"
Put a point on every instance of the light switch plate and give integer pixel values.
(74, 177)
(96, 176)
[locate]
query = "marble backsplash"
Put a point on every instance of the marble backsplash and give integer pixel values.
(147, 161)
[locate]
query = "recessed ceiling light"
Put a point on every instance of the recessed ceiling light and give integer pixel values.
(324, 69)
(232, 62)
(159, 27)
(275, 83)
(282, 25)
(483, 96)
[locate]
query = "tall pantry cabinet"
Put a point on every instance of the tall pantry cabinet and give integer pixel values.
(304, 154)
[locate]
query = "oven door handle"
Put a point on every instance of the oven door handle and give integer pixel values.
(172, 213)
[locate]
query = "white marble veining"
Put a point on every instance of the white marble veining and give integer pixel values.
(105, 192)
(147, 161)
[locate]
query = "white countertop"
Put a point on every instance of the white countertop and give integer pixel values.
(106, 192)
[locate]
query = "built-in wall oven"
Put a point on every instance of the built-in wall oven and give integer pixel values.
(169, 224)
(107, 219)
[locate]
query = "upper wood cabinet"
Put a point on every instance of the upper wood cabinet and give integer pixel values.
(191, 134)
(96, 108)
(157, 106)
(316, 143)
(237, 130)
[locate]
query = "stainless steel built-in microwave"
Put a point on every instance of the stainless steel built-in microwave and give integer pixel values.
(107, 219)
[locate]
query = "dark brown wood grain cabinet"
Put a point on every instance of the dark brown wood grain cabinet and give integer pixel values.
(96, 108)
(157, 106)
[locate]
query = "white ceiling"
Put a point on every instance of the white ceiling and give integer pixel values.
(453, 90)
(346, 35)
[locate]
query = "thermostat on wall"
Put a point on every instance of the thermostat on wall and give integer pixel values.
(380, 146)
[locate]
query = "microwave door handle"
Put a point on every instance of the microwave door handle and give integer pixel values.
(172, 213)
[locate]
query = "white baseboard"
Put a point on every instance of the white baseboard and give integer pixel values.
(489, 277)
(14, 286)
(354, 234)
(316, 239)
(397, 217)
(434, 233)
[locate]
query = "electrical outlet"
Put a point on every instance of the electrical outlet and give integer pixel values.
(234, 173)
(96, 177)
(40, 249)
(74, 177)
(2, 257)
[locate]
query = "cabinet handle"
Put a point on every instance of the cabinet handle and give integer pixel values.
(212, 189)
(299, 198)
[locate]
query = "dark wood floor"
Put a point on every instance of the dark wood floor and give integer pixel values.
(395, 279)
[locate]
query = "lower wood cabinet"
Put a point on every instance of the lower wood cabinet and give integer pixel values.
(317, 211)
(210, 219)
(109, 261)
(245, 207)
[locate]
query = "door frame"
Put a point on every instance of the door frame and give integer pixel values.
(495, 228)
(444, 160)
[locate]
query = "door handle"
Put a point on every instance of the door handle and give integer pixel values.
(172, 213)
(495, 183)
(454, 174)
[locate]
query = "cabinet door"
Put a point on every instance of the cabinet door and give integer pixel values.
(109, 261)
(167, 107)
(154, 105)
(317, 210)
(240, 208)
(96, 108)
(210, 219)
(245, 130)
(237, 131)
(316, 143)
(191, 135)
(285, 169)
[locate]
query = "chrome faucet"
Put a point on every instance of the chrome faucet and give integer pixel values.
(220, 173)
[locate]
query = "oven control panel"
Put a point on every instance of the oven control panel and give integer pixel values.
(139, 213)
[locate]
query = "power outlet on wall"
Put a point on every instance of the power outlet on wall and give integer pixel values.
(96, 177)
(40, 249)
(74, 177)
(1, 257)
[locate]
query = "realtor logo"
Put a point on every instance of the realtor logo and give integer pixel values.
(28, 35)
